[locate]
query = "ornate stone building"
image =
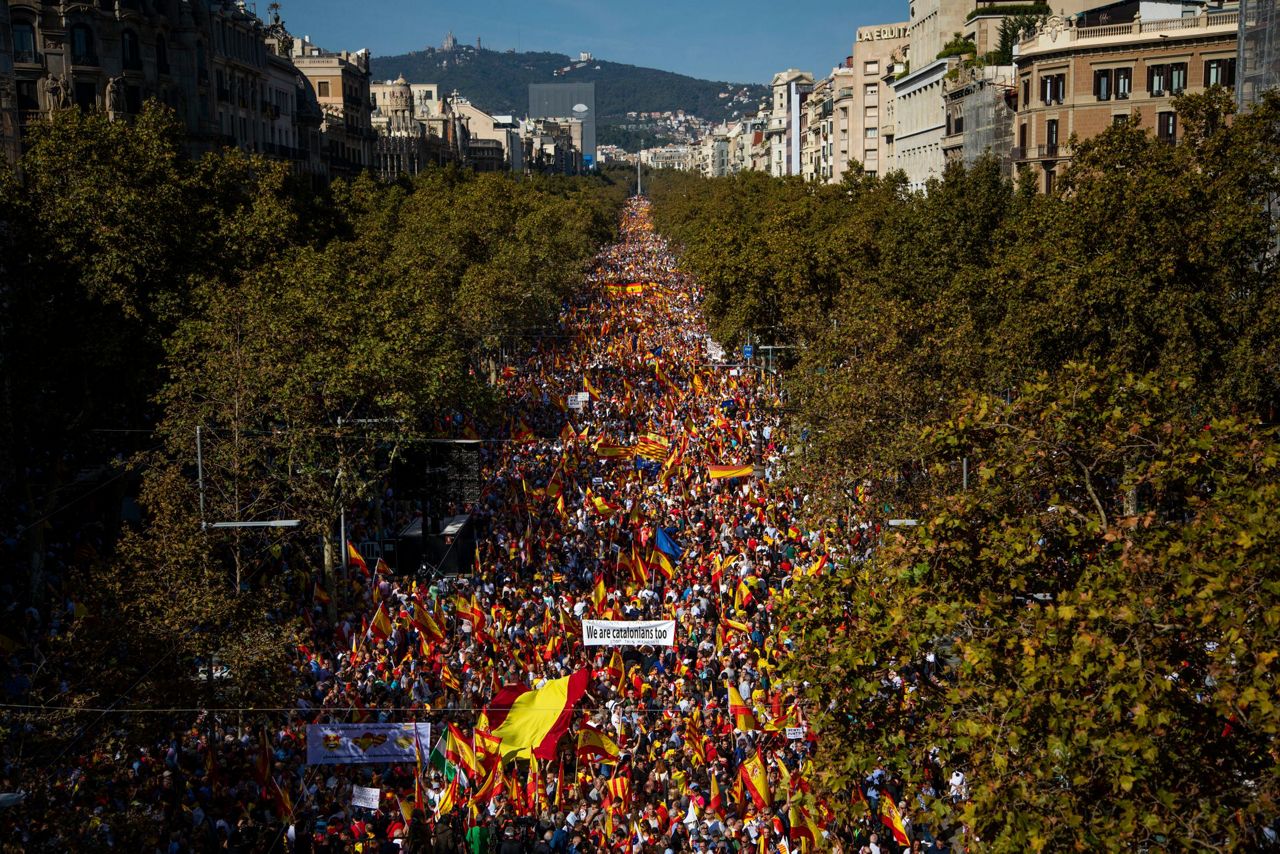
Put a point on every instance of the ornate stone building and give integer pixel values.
(232, 79)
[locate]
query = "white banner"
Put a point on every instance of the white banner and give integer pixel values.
(358, 744)
(629, 632)
(363, 796)
(795, 732)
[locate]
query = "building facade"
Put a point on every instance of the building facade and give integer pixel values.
(341, 85)
(232, 79)
(1074, 81)
(877, 51)
(784, 134)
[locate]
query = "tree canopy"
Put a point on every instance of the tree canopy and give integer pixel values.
(1070, 395)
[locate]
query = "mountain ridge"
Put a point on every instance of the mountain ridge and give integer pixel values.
(498, 82)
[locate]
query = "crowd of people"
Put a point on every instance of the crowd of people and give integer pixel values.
(649, 497)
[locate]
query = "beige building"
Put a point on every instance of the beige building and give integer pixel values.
(785, 132)
(341, 84)
(875, 51)
(1077, 78)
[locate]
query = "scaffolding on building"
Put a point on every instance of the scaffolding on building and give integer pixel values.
(1259, 65)
(988, 124)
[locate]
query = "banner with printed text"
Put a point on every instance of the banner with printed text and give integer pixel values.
(361, 744)
(629, 632)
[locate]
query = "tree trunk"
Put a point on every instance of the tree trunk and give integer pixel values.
(331, 576)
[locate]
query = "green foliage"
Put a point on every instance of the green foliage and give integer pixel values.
(150, 290)
(1013, 9)
(1100, 600)
(958, 46)
(498, 82)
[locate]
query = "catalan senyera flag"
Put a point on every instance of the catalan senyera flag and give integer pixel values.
(620, 791)
(743, 718)
(530, 722)
(756, 779)
(354, 557)
(594, 745)
(722, 472)
(891, 818)
(651, 446)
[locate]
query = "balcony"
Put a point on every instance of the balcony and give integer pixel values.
(86, 59)
(1194, 26)
(27, 57)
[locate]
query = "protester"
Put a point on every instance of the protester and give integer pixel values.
(655, 500)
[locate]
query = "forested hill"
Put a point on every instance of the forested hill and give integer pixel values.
(498, 82)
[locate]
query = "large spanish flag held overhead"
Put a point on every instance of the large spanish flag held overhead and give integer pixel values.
(530, 722)
(721, 472)
(756, 779)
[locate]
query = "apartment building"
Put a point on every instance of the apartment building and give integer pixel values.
(877, 51)
(341, 85)
(785, 132)
(231, 78)
(1078, 76)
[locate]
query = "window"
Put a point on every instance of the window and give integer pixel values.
(1168, 79)
(1049, 177)
(872, 67)
(1026, 93)
(1217, 72)
(162, 55)
(1053, 88)
(871, 90)
(1022, 137)
(1167, 126)
(322, 88)
(1051, 137)
(82, 46)
(86, 94)
(132, 56)
(24, 43)
(1120, 119)
(871, 133)
(28, 99)
(1102, 84)
(1123, 83)
(871, 113)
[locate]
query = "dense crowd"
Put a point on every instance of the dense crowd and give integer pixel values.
(705, 748)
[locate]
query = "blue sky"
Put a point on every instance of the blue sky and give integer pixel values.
(742, 41)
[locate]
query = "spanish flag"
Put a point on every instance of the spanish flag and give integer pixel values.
(599, 593)
(743, 719)
(492, 786)
(595, 745)
(665, 566)
(756, 780)
(716, 801)
(381, 627)
(590, 389)
(720, 472)
(891, 818)
(354, 557)
(529, 722)
(449, 800)
(803, 828)
(319, 595)
(458, 750)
